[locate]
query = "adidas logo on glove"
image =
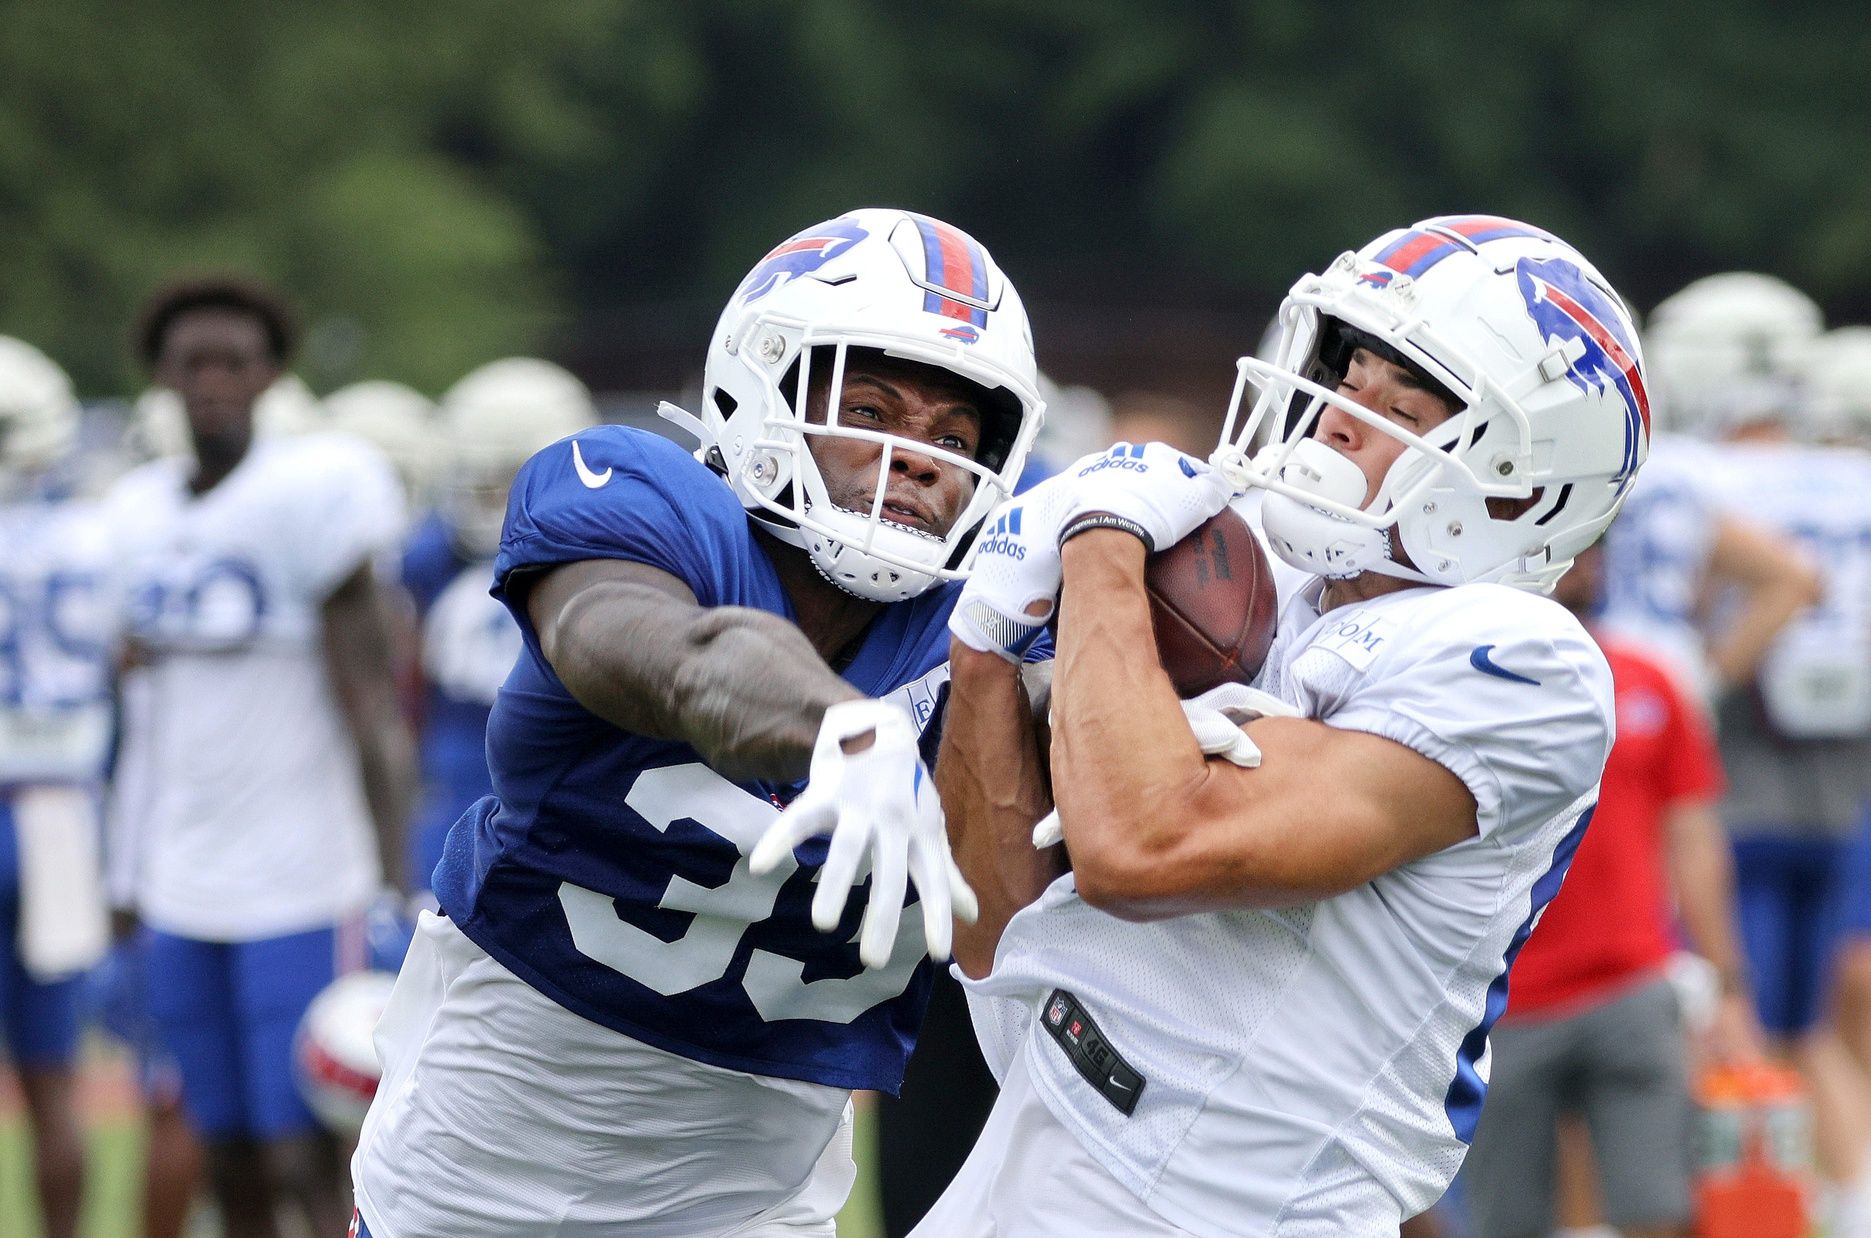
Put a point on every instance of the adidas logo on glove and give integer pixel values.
(998, 540)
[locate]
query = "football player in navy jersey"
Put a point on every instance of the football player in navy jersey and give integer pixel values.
(492, 421)
(619, 1022)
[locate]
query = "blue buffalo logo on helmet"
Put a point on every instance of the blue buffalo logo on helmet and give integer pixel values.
(801, 255)
(1567, 306)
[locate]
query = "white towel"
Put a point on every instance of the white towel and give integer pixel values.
(63, 928)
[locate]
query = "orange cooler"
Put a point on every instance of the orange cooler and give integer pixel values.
(1753, 1154)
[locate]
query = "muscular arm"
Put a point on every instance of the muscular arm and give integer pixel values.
(993, 789)
(358, 658)
(741, 686)
(1156, 830)
(1776, 581)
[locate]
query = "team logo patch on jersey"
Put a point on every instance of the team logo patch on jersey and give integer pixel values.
(1565, 307)
(801, 255)
(1357, 638)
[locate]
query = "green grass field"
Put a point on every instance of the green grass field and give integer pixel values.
(116, 1160)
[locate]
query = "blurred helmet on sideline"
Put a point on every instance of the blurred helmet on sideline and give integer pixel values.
(492, 422)
(1838, 387)
(398, 420)
(288, 407)
(1730, 349)
(38, 411)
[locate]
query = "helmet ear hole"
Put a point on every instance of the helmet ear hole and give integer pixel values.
(1514, 509)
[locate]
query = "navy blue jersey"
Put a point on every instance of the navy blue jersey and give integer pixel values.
(609, 870)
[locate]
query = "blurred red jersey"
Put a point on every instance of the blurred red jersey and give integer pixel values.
(1611, 925)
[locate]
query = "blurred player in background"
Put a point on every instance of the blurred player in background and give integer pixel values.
(265, 765)
(1712, 348)
(1260, 1001)
(1796, 740)
(491, 422)
(1839, 413)
(627, 1021)
(56, 637)
(1593, 1023)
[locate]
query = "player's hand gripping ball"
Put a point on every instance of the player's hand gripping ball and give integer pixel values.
(1150, 490)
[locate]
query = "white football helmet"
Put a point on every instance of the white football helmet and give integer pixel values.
(399, 420)
(492, 422)
(905, 284)
(158, 426)
(287, 407)
(1730, 348)
(1542, 359)
(38, 411)
(1838, 387)
(334, 1058)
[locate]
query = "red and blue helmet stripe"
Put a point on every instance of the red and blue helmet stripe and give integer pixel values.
(955, 264)
(1433, 240)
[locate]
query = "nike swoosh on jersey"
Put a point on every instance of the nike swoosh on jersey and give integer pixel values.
(593, 481)
(1480, 660)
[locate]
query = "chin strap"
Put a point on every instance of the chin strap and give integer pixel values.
(684, 419)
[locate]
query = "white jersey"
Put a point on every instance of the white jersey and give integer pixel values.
(56, 633)
(1319, 1068)
(1815, 680)
(239, 809)
(1657, 557)
(469, 639)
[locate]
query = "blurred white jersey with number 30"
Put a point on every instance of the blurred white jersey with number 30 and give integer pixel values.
(239, 812)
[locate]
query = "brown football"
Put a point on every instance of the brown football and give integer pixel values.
(1212, 604)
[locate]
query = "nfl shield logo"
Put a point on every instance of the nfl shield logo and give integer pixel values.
(1055, 1013)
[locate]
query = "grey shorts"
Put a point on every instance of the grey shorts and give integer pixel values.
(1621, 1067)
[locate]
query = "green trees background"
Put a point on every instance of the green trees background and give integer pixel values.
(442, 181)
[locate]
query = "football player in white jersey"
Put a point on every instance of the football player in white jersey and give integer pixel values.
(265, 765)
(1796, 740)
(1713, 349)
(1259, 1002)
(55, 728)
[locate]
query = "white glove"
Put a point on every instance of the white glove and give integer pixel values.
(1218, 714)
(1148, 489)
(1215, 717)
(1013, 582)
(876, 801)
